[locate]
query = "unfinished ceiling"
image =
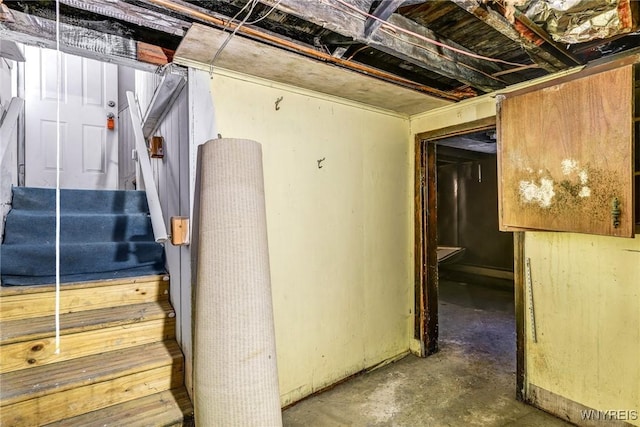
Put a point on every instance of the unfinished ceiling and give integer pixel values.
(443, 50)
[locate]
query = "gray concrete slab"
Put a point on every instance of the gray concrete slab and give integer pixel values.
(469, 382)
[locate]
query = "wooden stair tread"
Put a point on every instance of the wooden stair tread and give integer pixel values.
(38, 352)
(42, 327)
(22, 290)
(168, 408)
(30, 305)
(81, 400)
(42, 380)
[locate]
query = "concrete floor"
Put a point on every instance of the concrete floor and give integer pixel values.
(469, 382)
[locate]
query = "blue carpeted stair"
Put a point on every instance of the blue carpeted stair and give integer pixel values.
(103, 235)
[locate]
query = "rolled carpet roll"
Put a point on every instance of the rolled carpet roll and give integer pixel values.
(235, 370)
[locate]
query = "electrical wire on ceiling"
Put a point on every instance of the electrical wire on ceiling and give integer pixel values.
(253, 4)
(424, 38)
(460, 64)
(360, 49)
(266, 14)
(313, 53)
(226, 27)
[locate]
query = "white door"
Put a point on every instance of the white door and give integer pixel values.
(88, 149)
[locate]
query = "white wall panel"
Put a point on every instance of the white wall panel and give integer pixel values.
(172, 179)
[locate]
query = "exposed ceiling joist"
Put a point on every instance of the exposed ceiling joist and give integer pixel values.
(133, 14)
(335, 16)
(418, 45)
(545, 59)
(23, 28)
(274, 40)
(563, 54)
(384, 10)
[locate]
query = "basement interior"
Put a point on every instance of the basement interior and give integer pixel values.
(319, 213)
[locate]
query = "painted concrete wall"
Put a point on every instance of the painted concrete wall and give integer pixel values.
(339, 236)
(587, 307)
(587, 302)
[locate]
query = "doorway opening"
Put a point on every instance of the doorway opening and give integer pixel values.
(468, 284)
(96, 135)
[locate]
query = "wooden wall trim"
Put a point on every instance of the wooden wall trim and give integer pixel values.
(419, 244)
(431, 277)
(519, 300)
(460, 129)
(425, 230)
(571, 411)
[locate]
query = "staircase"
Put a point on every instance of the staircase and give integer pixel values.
(118, 362)
(103, 235)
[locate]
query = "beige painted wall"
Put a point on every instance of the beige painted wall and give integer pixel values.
(587, 307)
(462, 112)
(339, 236)
(587, 302)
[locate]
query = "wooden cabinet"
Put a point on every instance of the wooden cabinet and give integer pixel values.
(566, 156)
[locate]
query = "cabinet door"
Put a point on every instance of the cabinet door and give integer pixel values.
(565, 156)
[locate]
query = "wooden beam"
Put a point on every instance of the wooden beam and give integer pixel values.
(337, 17)
(153, 54)
(431, 329)
(24, 28)
(137, 15)
(545, 59)
(419, 243)
(384, 10)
